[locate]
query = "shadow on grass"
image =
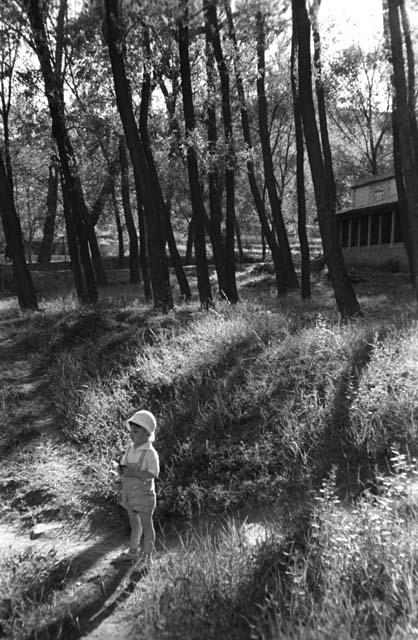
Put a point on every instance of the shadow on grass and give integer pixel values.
(354, 465)
(86, 609)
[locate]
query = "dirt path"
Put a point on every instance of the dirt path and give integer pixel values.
(92, 587)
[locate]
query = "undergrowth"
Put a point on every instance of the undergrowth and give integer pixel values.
(350, 571)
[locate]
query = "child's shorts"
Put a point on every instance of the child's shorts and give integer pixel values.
(136, 495)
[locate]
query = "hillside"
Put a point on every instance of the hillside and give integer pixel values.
(286, 504)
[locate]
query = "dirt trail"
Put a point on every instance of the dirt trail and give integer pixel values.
(25, 520)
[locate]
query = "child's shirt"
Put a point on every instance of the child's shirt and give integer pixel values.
(145, 455)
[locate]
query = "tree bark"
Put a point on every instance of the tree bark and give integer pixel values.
(213, 37)
(53, 81)
(119, 229)
(406, 137)
(134, 276)
(215, 198)
(276, 253)
(203, 282)
(343, 290)
(47, 243)
(166, 218)
(13, 235)
(300, 176)
(158, 269)
(275, 203)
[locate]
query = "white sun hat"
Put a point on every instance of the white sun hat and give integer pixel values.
(144, 419)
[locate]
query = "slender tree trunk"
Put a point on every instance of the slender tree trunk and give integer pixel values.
(215, 199)
(213, 37)
(13, 235)
(166, 218)
(143, 256)
(323, 125)
(300, 177)
(190, 239)
(400, 186)
(410, 56)
(107, 189)
(343, 289)
(275, 203)
(47, 243)
(134, 276)
(70, 179)
(241, 257)
(158, 269)
(73, 246)
(203, 282)
(406, 137)
(119, 229)
(276, 253)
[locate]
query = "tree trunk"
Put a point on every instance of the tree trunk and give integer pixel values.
(119, 229)
(213, 37)
(300, 177)
(323, 125)
(160, 280)
(215, 199)
(344, 293)
(203, 282)
(107, 189)
(241, 257)
(47, 243)
(190, 240)
(275, 203)
(406, 137)
(166, 218)
(276, 253)
(134, 276)
(55, 96)
(13, 235)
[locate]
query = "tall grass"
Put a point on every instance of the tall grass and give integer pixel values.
(248, 401)
(350, 572)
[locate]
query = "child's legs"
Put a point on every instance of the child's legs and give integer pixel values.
(136, 529)
(148, 530)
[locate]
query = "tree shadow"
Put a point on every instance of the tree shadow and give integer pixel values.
(97, 590)
(338, 449)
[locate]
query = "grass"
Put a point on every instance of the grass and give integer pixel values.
(269, 404)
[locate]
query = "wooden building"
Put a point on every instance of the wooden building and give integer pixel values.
(370, 232)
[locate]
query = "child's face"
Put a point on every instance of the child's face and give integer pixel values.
(138, 434)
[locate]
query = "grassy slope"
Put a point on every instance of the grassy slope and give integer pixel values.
(256, 405)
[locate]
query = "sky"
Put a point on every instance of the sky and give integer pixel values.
(357, 21)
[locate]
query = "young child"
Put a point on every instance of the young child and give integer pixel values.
(140, 467)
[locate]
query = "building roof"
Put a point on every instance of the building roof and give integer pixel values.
(361, 182)
(380, 207)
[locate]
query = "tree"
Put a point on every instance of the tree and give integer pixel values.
(203, 282)
(300, 173)
(358, 92)
(159, 275)
(276, 253)
(45, 249)
(143, 129)
(275, 203)
(74, 205)
(134, 276)
(405, 129)
(214, 41)
(13, 234)
(324, 194)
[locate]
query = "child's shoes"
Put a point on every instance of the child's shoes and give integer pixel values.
(128, 556)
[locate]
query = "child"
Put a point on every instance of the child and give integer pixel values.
(140, 467)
